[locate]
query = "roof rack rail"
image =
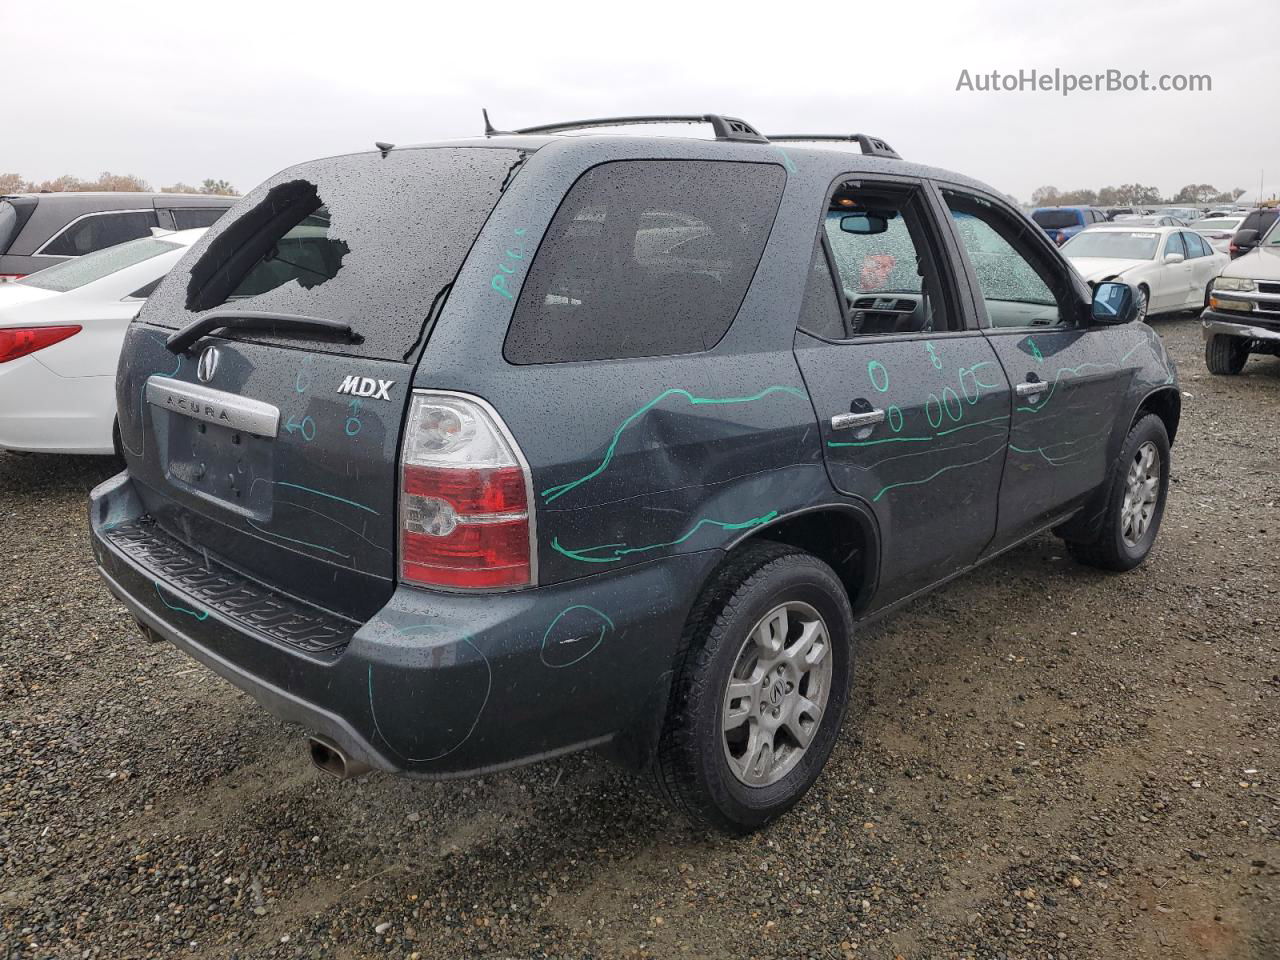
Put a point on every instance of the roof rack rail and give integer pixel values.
(725, 128)
(871, 146)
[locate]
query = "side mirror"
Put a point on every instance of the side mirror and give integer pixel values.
(863, 223)
(1245, 238)
(1114, 303)
(1173, 258)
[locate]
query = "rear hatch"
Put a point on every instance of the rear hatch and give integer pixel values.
(270, 443)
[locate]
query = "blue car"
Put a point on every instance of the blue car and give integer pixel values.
(1063, 223)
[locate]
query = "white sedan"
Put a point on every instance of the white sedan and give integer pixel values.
(61, 330)
(1219, 230)
(1171, 267)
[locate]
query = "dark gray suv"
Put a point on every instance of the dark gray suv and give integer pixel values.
(38, 230)
(474, 453)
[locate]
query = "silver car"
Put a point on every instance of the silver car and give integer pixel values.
(1243, 315)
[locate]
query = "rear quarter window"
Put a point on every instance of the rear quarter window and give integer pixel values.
(645, 258)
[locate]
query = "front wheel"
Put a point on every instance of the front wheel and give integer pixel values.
(1224, 355)
(1144, 301)
(1138, 486)
(760, 689)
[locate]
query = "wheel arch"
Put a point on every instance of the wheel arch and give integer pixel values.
(845, 536)
(1165, 403)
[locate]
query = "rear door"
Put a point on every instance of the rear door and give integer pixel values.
(276, 451)
(1068, 379)
(912, 404)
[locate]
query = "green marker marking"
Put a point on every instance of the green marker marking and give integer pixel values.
(881, 383)
(621, 550)
(1035, 350)
(203, 615)
(936, 474)
(551, 493)
(895, 412)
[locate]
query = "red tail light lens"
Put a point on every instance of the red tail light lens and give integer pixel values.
(465, 515)
(6, 277)
(17, 342)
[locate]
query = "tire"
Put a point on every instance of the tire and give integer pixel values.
(1224, 355)
(1144, 301)
(1124, 539)
(695, 768)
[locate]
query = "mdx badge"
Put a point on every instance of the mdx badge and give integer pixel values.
(366, 387)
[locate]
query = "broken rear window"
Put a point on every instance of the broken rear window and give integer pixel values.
(363, 239)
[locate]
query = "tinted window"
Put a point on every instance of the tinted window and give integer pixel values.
(8, 224)
(1195, 246)
(1056, 219)
(1175, 245)
(71, 274)
(645, 258)
(100, 230)
(188, 218)
(1015, 280)
(820, 312)
(360, 239)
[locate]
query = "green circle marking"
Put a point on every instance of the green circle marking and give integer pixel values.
(928, 410)
(881, 382)
(946, 403)
(895, 418)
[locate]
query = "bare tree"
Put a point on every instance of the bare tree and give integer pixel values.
(180, 187)
(219, 188)
(1044, 196)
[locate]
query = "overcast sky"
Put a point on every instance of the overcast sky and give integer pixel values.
(237, 90)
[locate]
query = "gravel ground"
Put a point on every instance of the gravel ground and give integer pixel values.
(1042, 761)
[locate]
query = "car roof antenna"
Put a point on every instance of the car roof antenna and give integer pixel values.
(384, 147)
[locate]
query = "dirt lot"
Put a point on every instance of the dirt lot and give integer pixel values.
(1042, 762)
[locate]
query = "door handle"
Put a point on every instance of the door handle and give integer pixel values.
(848, 421)
(1032, 387)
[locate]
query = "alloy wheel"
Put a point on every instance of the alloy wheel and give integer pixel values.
(777, 694)
(1142, 491)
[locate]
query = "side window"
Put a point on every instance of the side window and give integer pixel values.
(1195, 248)
(886, 262)
(1017, 282)
(1175, 245)
(188, 218)
(645, 258)
(98, 231)
(820, 313)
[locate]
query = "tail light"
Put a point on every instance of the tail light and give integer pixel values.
(1233, 247)
(466, 515)
(1060, 239)
(6, 277)
(17, 342)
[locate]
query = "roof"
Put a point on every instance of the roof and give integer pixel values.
(136, 194)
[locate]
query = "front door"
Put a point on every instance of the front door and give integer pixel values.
(1068, 378)
(911, 401)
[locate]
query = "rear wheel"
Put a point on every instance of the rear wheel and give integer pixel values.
(1225, 355)
(760, 689)
(1138, 487)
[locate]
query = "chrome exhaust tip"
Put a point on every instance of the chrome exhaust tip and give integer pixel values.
(333, 760)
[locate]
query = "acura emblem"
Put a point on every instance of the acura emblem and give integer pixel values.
(208, 364)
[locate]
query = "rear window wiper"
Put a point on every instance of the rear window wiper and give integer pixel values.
(180, 340)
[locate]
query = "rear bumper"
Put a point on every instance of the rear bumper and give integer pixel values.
(434, 685)
(41, 412)
(1234, 325)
